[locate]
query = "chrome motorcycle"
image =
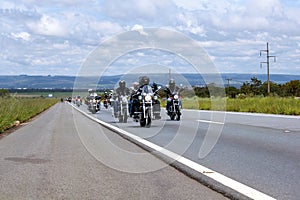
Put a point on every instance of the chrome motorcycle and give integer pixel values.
(146, 113)
(123, 108)
(94, 104)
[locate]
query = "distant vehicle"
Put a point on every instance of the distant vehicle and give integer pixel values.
(105, 103)
(93, 101)
(78, 101)
(69, 99)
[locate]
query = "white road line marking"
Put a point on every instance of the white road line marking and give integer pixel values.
(211, 122)
(233, 184)
(243, 113)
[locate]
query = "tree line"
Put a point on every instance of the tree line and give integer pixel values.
(252, 88)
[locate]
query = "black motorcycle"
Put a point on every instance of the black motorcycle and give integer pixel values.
(174, 106)
(146, 98)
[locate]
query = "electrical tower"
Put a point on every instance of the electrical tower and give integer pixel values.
(228, 79)
(268, 63)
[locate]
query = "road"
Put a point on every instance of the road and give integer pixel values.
(258, 150)
(49, 159)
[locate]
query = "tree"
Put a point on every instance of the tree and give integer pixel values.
(201, 91)
(292, 88)
(4, 93)
(231, 91)
(274, 89)
(252, 88)
(255, 86)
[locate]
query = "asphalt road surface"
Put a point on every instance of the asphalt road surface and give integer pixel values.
(258, 150)
(56, 156)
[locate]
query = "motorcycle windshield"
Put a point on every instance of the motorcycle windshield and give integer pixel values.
(147, 89)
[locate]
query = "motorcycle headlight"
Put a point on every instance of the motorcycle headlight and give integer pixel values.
(176, 96)
(124, 99)
(140, 97)
(94, 101)
(148, 97)
(155, 97)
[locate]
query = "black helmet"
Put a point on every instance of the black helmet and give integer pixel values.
(122, 83)
(144, 80)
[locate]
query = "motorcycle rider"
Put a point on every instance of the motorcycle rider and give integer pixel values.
(170, 89)
(93, 95)
(143, 80)
(156, 103)
(121, 90)
(133, 90)
(106, 97)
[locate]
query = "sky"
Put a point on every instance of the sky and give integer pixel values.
(55, 37)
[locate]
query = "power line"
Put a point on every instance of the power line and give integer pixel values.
(268, 63)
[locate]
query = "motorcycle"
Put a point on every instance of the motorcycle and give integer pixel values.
(94, 104)
(105, 103)
(123, 108)
(174, 106)
(145, 111)
(78, 101)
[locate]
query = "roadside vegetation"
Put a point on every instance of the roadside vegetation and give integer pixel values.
(269, 105)
(251, 97)
(15, 110)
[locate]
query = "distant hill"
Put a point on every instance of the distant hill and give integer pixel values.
(108, 82)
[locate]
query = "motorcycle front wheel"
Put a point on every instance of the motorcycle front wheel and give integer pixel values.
(178, 114)
(143, 122)
(148, 118)
(125, 116)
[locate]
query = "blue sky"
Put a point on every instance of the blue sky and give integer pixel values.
(56, 36)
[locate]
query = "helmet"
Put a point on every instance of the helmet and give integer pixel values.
(122, 84)
(144, 80)
(135, 85)
(90, 91)
(172, 83)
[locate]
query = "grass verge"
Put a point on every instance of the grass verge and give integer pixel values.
(17, 110)
(268, 105)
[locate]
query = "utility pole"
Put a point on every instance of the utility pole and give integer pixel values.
(228, 79)
(268, 63)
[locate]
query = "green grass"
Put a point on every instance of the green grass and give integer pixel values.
(270, 105)
(21, 109)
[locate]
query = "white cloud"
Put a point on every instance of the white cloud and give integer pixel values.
(139, 28)
(105, 27)
(140, 11)
(67, 30)
(48, 25)
(23, 35)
